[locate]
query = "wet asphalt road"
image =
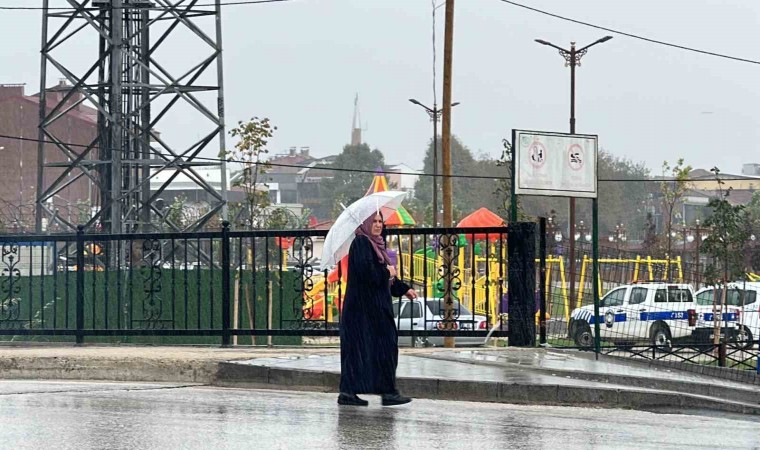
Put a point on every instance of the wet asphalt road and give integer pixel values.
(142, 416)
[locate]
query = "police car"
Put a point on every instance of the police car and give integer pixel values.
(653, 312)
(743, 317)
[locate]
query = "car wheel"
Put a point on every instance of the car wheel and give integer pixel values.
(420, 342)
(744, 338)
(661, 338)
(583, 337)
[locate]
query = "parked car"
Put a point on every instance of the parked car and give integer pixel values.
(427, 314)
(744, 315)
(653, 312)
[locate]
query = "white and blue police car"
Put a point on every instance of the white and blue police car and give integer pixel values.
(739, 316)
(653, 312)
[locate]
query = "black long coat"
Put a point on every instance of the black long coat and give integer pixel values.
(368, 337)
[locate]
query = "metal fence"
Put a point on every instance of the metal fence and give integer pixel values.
(236, 287)
(648, 310)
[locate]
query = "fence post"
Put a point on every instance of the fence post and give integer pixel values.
(80, 286)
(542, 282)
(226, 284)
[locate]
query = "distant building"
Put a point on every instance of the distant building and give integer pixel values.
(282, 178)
(20, 117)
(403, 178)
(752, 169)
(705, 180)
(295, 179)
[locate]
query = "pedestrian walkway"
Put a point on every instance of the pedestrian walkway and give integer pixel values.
(534, 376)
(506, 375)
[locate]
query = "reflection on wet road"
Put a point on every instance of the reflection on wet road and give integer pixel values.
(136, 416)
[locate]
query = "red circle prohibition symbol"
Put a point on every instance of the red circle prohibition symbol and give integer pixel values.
(576, 157)
(537, 154)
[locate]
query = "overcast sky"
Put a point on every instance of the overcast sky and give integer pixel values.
(301, 63)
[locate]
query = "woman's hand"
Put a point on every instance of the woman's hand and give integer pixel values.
(392, 270)
(411, 294)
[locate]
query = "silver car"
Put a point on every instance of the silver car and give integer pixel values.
(427, 314)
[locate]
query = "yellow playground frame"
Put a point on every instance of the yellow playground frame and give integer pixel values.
(480, 280)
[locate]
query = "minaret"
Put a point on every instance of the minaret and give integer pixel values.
(356, 127)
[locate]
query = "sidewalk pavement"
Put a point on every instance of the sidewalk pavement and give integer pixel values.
(506, 375)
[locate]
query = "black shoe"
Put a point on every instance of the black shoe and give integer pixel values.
(395, 399)
(352, 400)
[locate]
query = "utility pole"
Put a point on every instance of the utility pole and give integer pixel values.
(572, 59)
(448, 40)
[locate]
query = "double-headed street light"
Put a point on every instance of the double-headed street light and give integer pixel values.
(435, 116)
(619, 236)
(572, 59)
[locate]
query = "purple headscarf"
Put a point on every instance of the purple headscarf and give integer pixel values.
(378, 243)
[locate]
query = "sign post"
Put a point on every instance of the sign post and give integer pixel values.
(559, 165)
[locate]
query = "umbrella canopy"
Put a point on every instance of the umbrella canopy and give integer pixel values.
(482, 218)
(401, 216)
(342, 233)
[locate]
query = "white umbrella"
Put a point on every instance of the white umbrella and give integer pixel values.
(342, 233)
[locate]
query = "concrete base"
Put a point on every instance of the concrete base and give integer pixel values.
(264, 377)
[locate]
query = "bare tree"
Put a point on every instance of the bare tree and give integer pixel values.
(674, 185)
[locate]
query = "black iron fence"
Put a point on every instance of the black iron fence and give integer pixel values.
(237, 287)
(650, 308)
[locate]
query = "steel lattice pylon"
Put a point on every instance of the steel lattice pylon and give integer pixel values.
(133, 88)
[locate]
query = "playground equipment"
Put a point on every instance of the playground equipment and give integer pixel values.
(484, 278)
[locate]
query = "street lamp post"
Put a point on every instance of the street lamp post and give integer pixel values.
(582, 231)
(699, 236)
(572, 59)
(553, 232)
(620, 236)
(435, 116)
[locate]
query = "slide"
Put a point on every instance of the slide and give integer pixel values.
(315, 301)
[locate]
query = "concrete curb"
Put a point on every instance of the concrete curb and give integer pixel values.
(748, 377)
(687, 387)
(264, 377)
(140, 369)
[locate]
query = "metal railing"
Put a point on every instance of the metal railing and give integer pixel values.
(233, 287)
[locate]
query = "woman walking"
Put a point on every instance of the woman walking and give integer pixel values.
(368, 337)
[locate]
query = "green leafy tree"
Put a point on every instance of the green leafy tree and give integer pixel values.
(176, 213)
(504, 187)
(726, 243)
(471, 186)
(753, 222)
(348, 186)
(250, 151)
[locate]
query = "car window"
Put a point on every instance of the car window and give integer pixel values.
(679, 295)
(705, 298)
(436, 306)
(734, 297)
(638, 295)
(661, 296)
(411, 310)
(395, 308)
(614, 298)
(749, 297)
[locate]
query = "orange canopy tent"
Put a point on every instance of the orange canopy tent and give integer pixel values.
(399, 218)
(482, 218)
